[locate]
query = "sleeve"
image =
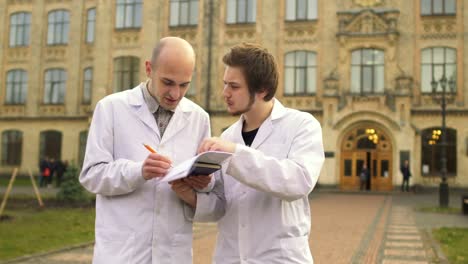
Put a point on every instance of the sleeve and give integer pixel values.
(102, 174)
(211, 205)
(289, 179)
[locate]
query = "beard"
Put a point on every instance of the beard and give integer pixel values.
(247, 108)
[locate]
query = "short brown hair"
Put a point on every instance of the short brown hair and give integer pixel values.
(258, 66)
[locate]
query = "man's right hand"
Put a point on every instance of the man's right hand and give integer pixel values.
(155, 165)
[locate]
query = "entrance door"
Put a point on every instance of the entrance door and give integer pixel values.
(370, 146)
(382, 178)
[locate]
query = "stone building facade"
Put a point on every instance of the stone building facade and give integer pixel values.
(368, 70)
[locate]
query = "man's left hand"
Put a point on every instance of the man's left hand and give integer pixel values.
(185, 192)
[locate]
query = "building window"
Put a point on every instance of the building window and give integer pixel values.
(367, 71)
(54, 86)
(90, 24)
(16, 87)
(438, 7)
(51, 144)
(184, 13)
(128, 14)
(126, 73)
(431, 149)
(57, 31)
(435, 63)
(241, 11)
(87, 85)
(20, 24)
(301, 10)
(300, 70)
(82, 146)
(12, 145)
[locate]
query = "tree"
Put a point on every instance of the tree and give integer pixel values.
(71, 189)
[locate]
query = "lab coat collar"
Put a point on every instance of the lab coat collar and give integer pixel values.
(265, 129)
(178, 121)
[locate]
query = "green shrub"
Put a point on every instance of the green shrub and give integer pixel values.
(71, 190)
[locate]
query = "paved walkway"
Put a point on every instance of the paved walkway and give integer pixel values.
(346, 228)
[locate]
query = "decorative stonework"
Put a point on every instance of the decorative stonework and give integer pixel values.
(20, 54)
(368, 23)
(12, 110)
(52, 110)
(368, 3)
(55, 53)
(88, 53)
(239, 33)
(302, 103)
(439, 28)
(57, 1)
(86, 110)
(300, 30)
(126, 39)
(187, 33)
(403, 85)
(19, 2)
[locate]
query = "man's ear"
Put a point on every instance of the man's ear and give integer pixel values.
(148, 69)
(261, 94)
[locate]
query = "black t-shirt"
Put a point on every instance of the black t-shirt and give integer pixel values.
(249, 136)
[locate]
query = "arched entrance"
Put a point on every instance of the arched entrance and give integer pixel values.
(366, 144)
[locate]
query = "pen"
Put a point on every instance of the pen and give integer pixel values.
(149, 148)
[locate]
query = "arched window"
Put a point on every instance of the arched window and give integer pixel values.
(12, 145)
(16, 87)
(297, 10)
(126, 73)
(183, 13)
(54, 86)
(300, 73)
(435, 63)
(128, 14)
(90, 25)
(58, 27)
(20, 25)
(51, 144)
(431, 149)
(241, 11)
(87, 85)
(367, 71)
(82, 146)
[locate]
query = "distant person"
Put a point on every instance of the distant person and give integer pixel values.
(364, 177)
(52, 167)
(60, 169)
(406, 172)
(44, 170)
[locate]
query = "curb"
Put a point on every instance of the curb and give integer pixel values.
(55, 251)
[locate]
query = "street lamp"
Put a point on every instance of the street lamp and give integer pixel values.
(443, 187)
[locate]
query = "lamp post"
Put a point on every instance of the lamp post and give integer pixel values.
(443, 187)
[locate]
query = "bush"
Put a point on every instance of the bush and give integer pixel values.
(71, 190)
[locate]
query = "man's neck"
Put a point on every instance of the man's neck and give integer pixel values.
(260, 111)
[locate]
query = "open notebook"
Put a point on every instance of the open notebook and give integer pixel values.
(203, 164)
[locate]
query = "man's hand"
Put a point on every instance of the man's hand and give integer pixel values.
(216, 144)
(185, 192)
(155, 165)
(198, 182)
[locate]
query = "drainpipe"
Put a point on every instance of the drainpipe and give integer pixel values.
(210, 50)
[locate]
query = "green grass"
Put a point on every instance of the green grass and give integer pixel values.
(33, 231)
(19, 181)
(440, 210)
(454, 242)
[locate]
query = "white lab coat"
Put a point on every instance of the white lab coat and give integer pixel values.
(261, 198)
(138, 221)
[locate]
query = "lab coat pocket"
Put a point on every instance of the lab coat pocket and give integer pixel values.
(296, 248)
(182, 248)
(114, 247)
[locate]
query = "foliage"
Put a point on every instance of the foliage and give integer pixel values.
(71, 190)
(453, 242)
(30, 231)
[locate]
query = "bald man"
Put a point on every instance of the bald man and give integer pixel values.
(137, 219)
